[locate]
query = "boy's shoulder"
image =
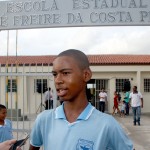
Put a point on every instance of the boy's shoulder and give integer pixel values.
(7, 120)
(46, 113)
(102, 117)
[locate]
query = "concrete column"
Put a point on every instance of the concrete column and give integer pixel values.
(112, 88)
(139, 80)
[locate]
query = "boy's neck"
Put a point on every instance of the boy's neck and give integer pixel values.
(72, 111)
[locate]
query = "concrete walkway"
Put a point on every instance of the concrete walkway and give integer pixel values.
(140, 135)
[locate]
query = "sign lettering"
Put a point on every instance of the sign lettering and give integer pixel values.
(23, 14)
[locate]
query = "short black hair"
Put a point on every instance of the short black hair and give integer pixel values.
(78, 55)
(2, 107)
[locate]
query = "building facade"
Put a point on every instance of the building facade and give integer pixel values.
(20, 77)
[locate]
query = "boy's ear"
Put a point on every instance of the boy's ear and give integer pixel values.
(87, 75)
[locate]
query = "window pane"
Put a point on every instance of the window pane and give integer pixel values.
(40, 85)
(120, 84)
(12, 85)
(146, 85)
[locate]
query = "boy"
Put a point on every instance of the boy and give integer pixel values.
(76, 124)
(5, 125)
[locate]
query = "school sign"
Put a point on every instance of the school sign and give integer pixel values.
(25, 14)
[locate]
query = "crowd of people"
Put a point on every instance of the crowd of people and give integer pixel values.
(132, 100)
(76, 115)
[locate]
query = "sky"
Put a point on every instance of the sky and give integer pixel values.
(91, 40)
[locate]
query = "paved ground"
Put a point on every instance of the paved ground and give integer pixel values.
(140, 135)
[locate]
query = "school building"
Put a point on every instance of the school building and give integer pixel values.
(20, 77)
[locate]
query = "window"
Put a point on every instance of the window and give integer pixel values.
(120, 84)
(40, 85)
(102, 83)
(146, 85)
(12, 85)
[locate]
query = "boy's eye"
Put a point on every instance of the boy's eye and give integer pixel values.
(65, 73)
(54, 74)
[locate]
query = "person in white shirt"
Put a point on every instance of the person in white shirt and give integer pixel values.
(136, 100)
(103, 99)
(48, 99)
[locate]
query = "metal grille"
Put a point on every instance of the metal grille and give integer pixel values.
(120, 84)
(18, 94)
(12, 85)
(146, 85)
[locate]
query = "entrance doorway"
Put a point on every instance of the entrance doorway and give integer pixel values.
(94, 86)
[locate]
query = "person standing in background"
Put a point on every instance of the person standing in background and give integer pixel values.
(51, 99)
(48, 99)
(126, 99)
(115, 107)
(103, 99)
(136, 99)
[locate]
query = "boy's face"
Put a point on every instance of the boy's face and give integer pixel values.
(70, 80)
(3, 114)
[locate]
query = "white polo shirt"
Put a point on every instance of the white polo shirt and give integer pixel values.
(92, 130)
(135, 99)
(104, 95)
(48, 96)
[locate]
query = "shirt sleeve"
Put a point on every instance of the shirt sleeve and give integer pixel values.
(36, 135)
(140, 95)
(106, 95)
(46, 96)
(118, 138)
(130, 95)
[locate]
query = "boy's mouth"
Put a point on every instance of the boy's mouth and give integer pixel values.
(61, 92)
